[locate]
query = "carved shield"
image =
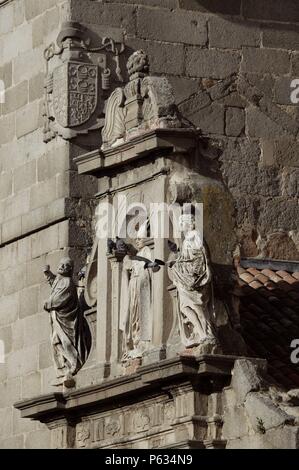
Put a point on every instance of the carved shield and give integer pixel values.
(75, 92)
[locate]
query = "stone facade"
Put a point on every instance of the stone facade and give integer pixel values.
(231, 65)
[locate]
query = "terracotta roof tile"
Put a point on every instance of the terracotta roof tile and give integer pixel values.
(253, 271)
(272, 275)
(256, 284)
(269, 315)
(247, 277)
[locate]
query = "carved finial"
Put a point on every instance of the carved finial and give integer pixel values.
(138, 65)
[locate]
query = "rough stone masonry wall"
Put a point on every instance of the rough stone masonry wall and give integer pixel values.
(231, 64)
(249, 128)
(40, 213)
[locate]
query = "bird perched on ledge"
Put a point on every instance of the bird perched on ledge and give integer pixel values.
(148, 263)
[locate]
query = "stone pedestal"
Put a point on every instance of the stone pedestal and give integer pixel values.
(170, 404)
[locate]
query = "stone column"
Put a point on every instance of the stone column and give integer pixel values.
(104, 310)
(116, 266)
(62, 434)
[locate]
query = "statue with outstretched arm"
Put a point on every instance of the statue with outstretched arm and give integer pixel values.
(70, 335)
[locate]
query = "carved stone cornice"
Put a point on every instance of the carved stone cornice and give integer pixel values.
(147, 381)
(178, 140)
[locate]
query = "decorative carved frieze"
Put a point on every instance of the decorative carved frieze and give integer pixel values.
(78, 81)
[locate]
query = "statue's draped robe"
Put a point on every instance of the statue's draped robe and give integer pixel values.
(136, 304)
(70, 333)
(192, 276)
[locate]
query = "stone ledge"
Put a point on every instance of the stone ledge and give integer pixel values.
(148, 381)
(175, 140)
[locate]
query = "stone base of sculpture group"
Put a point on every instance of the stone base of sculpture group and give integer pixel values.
(167, 404)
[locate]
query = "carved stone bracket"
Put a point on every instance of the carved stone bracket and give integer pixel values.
(78, 81)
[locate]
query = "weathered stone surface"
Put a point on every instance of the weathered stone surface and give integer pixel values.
(15, 442)
(24, 176)
(28, 301)
(45, 355)
(281, 246)
(118, 15)
(235, 424)
(290, 182)
(22, 362)
(5, 185)
(211, 63)
(164, 58)
(16, 97)
(284, 438)
(234, 122)
(265, 61)
(11, 229)
(210, 119)
(282, 90)
(279, 214)
(282, 37)
(152, 3)
(7, 20)
(9, 306)
(295, 64)
(33, 8)
(28, 119)
(286, 11)
(227, 34)
(285, 152)
(36, 87)
(19, 12)
(27, 65)
(7, 128)
(6, 336)
(260, 125)
(261, 407)
(230, 7)
(6, 74)
(40, 439)
(21, 426)
(246, 378)
(195, 103)
(31, 385)
(183, 87)
(249, 442)
(177, 26)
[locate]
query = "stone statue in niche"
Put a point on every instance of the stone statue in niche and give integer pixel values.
(70, 334)
(137, 299)
(192, 276)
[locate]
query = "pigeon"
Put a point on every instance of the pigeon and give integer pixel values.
(82, 273)
(111, 245)
(149, 264)
(173, 247)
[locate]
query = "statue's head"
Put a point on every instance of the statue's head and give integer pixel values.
(138, 64)
(187, 222)
(65, 267)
